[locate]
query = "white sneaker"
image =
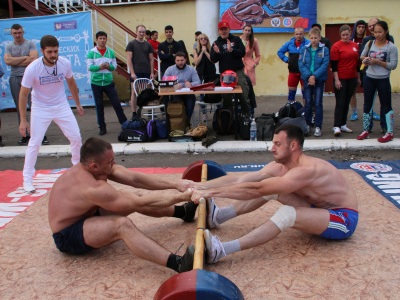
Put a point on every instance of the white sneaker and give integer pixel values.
(344, 128)
(212, 211)
(214, 248)
(317, 131)
(28, 187)
(336, 131)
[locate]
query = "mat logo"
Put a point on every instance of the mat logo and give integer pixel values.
(371, 167)
(388, 184)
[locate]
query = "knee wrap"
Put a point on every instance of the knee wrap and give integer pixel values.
(292, 95)
(284, 217)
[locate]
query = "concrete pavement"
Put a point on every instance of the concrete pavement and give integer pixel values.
(59, 145)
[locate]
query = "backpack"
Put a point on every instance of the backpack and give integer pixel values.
(299, 121)
(162, 130)
(177, 115)
(224, 121)
(265, 127)
(244, 127)
(287, 111)
(151, 131)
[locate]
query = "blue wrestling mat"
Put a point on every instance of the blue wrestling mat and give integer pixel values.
(383, 176)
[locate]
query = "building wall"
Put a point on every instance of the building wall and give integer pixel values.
(272, 72)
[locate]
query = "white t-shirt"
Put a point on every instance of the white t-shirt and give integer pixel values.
(47, 89)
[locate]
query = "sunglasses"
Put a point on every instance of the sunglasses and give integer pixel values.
(203, 38)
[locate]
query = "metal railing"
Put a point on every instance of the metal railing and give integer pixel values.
(118, 34)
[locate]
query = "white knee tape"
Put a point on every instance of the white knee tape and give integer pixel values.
(284, 217)
(270, 197)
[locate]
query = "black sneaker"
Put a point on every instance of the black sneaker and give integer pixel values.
(45, 141)
(24, 140)
(190, 211)
(1, 141)
(103, 131)
(186, 261)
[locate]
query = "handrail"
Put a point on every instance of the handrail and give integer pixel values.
(110, 18)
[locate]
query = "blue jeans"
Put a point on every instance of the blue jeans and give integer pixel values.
(111, 92)
(316, 92)
(190, 102)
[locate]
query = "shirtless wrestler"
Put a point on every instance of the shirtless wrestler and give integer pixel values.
(316, 197)
(247, 12)
(86, 212)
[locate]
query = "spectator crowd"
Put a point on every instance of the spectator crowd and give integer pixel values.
(356, 60)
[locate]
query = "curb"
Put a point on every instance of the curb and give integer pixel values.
(196, 147)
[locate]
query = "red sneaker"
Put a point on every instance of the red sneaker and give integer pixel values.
(386, 138)
(364, 135)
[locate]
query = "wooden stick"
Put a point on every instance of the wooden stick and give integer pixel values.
(201, 226)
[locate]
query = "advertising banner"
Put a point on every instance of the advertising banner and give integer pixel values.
(74, 34)
(269, 15)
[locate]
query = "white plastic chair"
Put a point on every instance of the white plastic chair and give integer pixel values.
(203, 106)
(141, 84)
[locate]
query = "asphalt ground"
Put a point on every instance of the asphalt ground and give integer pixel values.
(266, 104)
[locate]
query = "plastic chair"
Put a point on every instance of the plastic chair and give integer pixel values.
(141, 84)
(203, 106)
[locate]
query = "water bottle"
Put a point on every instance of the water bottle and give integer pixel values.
(253, 130)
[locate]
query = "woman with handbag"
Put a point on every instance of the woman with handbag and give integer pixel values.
(380, 57)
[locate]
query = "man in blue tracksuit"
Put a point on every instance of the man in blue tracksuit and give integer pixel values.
(313, 65)
(293, 46)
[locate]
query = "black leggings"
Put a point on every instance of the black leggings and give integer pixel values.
(343, 97)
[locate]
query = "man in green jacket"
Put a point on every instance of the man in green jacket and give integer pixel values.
(101, 62)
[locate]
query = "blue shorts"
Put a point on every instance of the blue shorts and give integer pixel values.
(70, 240)
(342, 224)
(140, 75)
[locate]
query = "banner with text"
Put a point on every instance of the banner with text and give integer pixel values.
(74, 34)
(269, 15)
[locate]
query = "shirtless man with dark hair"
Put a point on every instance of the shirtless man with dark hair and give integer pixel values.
(316, 197)
(247, 12)
(86, 212)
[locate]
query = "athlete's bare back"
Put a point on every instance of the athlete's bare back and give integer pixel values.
(69, 201)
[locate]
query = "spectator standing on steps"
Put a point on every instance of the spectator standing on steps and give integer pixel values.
(101, 62)
(19, 54)
(139, 53)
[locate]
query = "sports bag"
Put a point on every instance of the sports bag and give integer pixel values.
(134, 124)
(223, 121)
(265, 127)
(133, 135)
(162, 130)
(151, 130)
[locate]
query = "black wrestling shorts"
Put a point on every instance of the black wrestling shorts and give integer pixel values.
(70, 240)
